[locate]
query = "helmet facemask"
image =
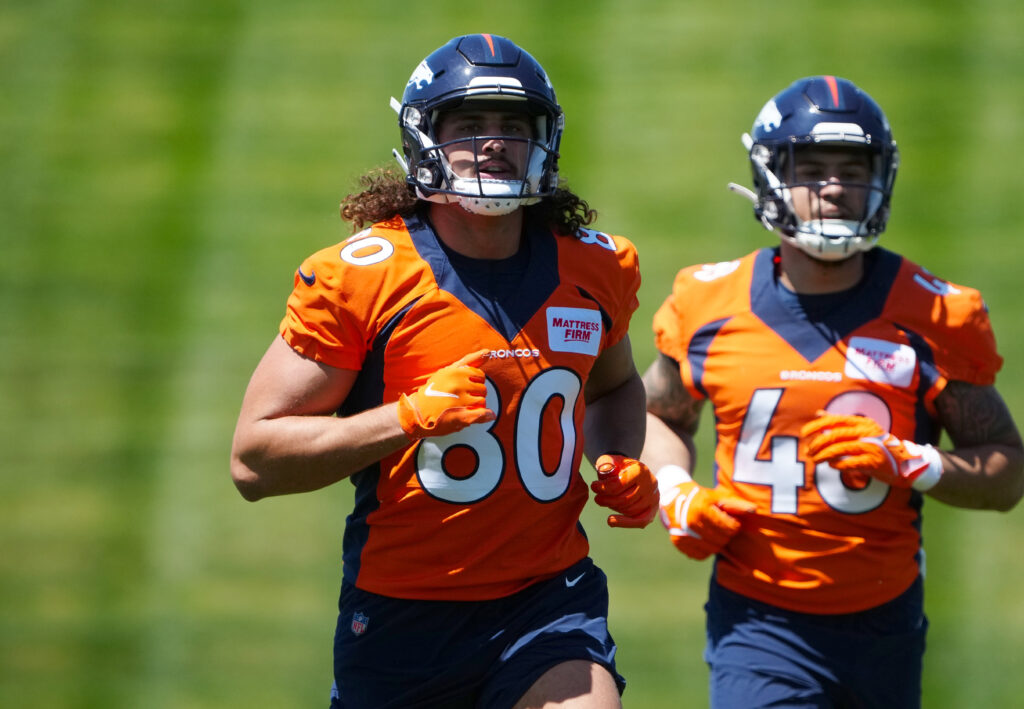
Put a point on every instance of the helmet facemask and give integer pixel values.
(825, 238)
(436, 180)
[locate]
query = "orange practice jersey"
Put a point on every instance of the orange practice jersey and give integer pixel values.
(820, 543)
(486, 511)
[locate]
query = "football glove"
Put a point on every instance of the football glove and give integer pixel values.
(452, 398)
(858, 444)
(700, 520)
(628, 487)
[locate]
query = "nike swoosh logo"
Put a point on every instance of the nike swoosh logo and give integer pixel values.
(431, 391)
(569, 583)
(308, 280)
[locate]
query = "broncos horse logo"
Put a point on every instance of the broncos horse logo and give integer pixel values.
(423, 76)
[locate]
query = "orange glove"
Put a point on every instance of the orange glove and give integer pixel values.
(628, 487)
(858, 444)
(453, 397)
(700, 520)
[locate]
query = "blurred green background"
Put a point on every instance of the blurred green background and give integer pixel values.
(166, 166)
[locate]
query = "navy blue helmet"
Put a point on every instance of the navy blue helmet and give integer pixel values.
(825, 111)
(493, 73)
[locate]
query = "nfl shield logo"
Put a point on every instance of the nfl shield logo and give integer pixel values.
(359, 623)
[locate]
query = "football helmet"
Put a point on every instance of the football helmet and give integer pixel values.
(826, 111)
(495, 73)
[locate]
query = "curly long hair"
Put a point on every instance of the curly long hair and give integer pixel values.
(386, 195)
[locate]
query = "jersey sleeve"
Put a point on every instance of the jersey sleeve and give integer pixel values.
(954, 320)
(668, 319)
(629, 269)
(673, 328)
(967, 351)
(703, 298)
(316, 323)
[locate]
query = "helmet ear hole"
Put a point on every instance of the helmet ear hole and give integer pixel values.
(428, 174)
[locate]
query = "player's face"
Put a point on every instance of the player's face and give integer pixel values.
(501, 156)
(841, 176)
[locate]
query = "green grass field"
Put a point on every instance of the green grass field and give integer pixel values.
(166, 166)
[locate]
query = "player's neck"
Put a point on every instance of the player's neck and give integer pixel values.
(476, 235)
(809, 276)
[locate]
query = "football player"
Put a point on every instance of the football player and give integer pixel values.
(831, 366)
(448, 359)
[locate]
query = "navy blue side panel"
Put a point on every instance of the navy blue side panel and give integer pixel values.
(814, 339)
(367, 392)
(368, 388)
(925, 429)
(697, 352)
(509, 315)
(606, 319)
(357, 532)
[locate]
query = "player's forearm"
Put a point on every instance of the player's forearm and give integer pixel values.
(615, 421)
(667, 445)
(985, 469)
(292, 454)
(989, 477)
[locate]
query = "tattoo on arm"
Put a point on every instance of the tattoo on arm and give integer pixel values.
(667, 398)
(975, 415)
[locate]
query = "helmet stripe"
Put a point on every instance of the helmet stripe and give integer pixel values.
(490, 42)
(834, 87)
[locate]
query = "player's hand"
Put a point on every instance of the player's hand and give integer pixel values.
(453, 397)
(628, 487)
(701, 520)
(858, 444)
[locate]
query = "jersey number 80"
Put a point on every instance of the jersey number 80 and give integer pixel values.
(542, 485)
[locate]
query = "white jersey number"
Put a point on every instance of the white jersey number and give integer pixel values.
(783, 472)
(551, 385)
(367, 251)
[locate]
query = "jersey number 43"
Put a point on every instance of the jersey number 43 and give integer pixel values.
(784, 472)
